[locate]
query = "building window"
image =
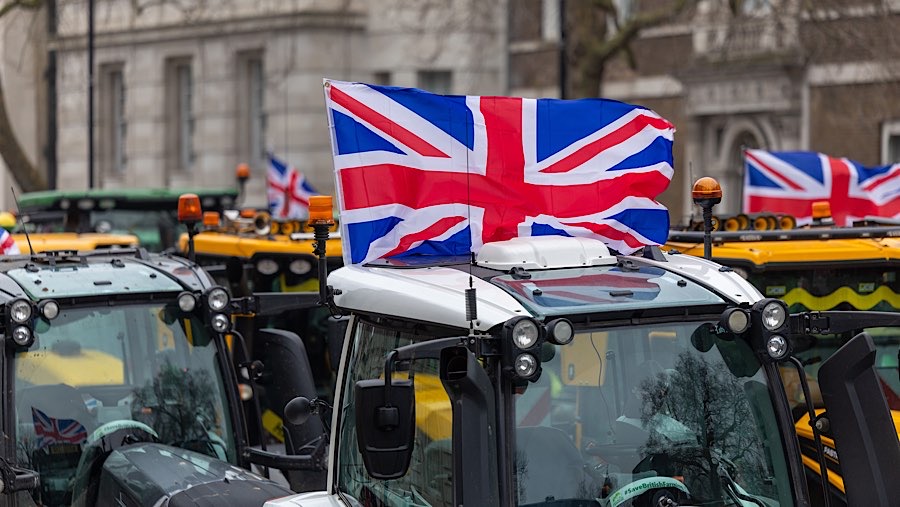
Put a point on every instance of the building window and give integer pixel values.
(436, 81)
(252, 117)
(755, 7)
(382, 78)
(112, 124)
(180, 98)
(257, 107)
(551, 24)
(890, 142)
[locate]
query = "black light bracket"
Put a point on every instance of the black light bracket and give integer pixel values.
(191, 231)
(706, 204)
(321, 232)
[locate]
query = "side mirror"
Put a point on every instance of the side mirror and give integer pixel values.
(861, 424)
(385, 423)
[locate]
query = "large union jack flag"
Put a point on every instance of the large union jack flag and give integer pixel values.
(288, 190)
(790, 182)
(56, 431)
(420, 173)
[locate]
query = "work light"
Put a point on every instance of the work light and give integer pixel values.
(187, 302)
(20, 311)
(217, 299)
(220, 322)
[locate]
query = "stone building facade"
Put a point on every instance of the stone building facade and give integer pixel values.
(744, 74)
(186, 90)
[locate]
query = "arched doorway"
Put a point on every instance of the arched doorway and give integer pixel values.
(739, 135)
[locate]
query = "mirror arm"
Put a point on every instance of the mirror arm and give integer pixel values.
(315, 460)
(814, 423)
(428, 349)
(17, 479)
(840, 322)
(266, 304)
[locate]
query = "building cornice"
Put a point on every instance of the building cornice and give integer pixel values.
(850, 73)
(649, 87)
(212, 29)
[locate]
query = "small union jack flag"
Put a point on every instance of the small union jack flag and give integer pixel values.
(56, 431)
(790, 182)
(8, 244)
(288, 190)
(420, 173)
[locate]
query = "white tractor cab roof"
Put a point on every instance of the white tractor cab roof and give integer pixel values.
(434, 291)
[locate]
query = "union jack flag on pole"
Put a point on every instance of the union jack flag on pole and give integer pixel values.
(56, 431)
(419, 173)
(789, 182)
(288, 190)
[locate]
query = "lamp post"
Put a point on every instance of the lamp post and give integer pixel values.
(90, 112)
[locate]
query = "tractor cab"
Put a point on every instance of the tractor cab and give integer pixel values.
(148, 214)
(124, 379)
(819, 267)
(251, 252)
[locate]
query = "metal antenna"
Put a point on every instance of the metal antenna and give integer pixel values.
(471, 298)
(19, 217)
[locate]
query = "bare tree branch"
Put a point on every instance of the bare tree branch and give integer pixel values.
(23, 4)
(24, 172)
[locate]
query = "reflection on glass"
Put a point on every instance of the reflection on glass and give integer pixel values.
(139, 369)
(627, 415)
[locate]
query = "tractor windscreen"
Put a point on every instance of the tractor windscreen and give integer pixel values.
(619, 416)
(146, 371)
(638, 413)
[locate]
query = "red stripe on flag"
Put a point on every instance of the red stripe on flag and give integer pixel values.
(7, 244)
(772, 173)
(618, 136)
(384, 124)
(385, 184)
(431, 232)
(611, 233)
(891, 174)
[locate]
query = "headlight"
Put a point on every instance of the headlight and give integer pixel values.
(49, 309)
(245, 391)
(187, 302)
(777, 347)
(300, 266)
(525, 334)
(20, 311)
(773, 315)
(22, 336)
(220, 322)
(735, 320)
(267, 267)
(217, 299)
(560, 332)
(526, 365)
